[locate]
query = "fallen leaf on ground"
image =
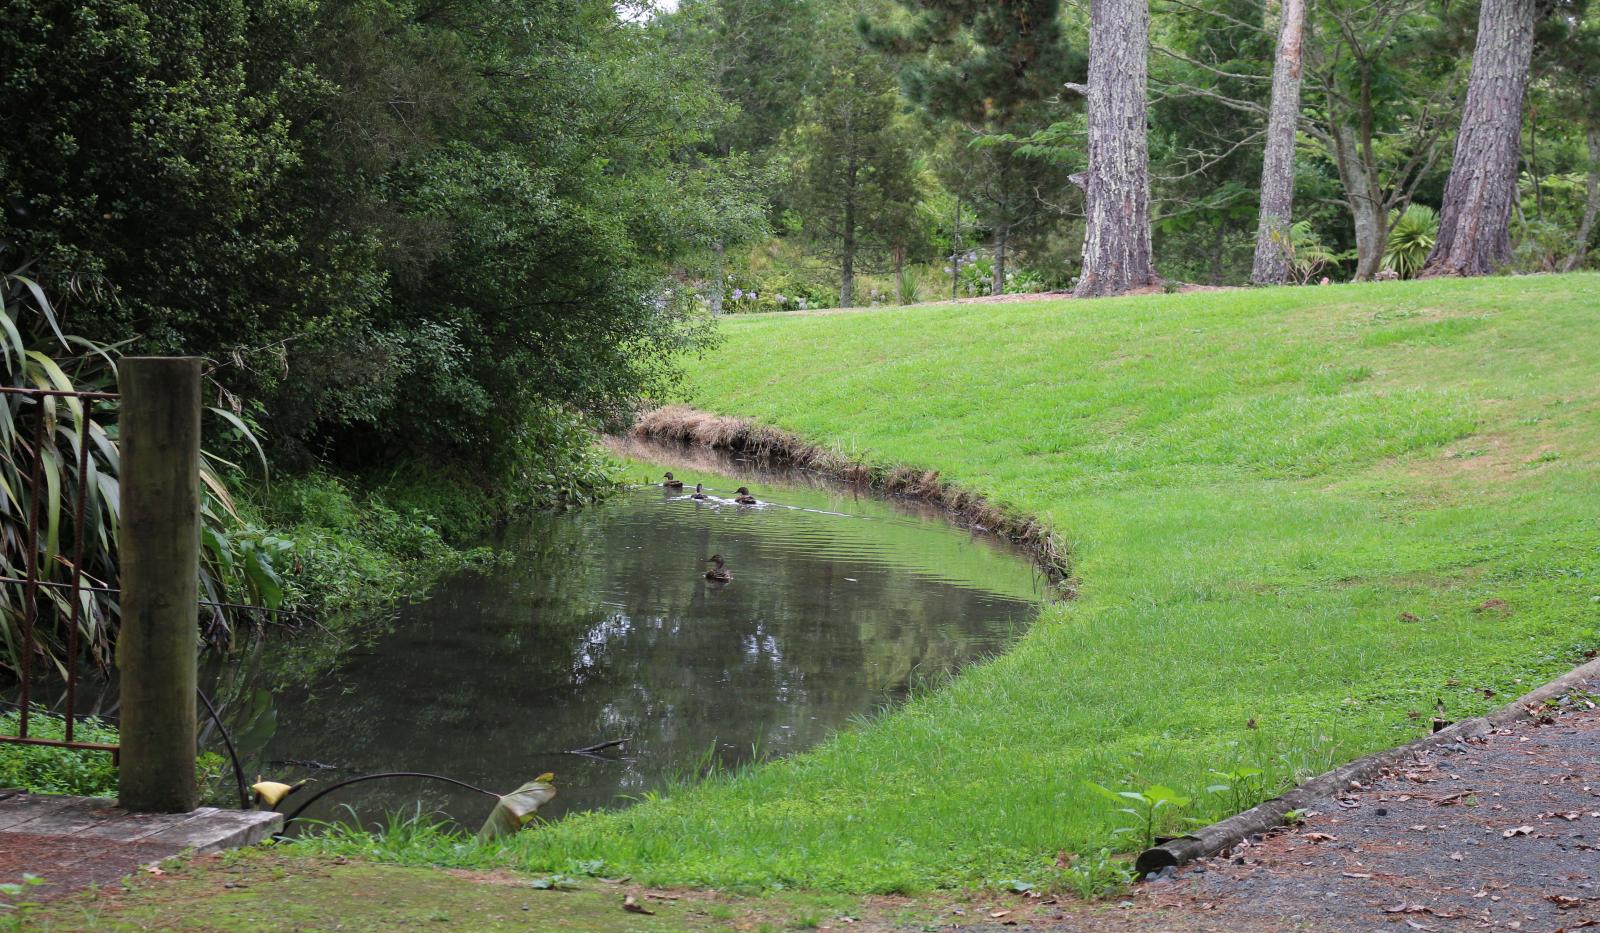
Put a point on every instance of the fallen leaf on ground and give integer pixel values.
(997, 914)
(1319, 837)
(1563, 901)
(632, 905)
(1517, 831)
(1356, 874)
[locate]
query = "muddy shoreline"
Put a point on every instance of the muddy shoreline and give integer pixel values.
(770, 446)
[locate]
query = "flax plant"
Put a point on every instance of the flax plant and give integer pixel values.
(40, 482)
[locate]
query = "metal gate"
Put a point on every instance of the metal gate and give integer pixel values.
(55, 443)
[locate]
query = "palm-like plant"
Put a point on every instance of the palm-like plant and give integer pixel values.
(46, 436)
(1411, 238)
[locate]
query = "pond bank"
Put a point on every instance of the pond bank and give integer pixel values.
(1301, 520)
(770, 446)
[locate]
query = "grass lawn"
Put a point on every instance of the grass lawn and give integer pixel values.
(1299, 517)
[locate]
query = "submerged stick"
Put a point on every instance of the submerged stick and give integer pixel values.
(591, 749)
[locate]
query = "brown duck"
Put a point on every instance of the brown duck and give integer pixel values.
(743, 497)
(699, 492)
(720, 573)
(668, 482)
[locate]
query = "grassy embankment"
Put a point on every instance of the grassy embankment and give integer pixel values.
(1312, 511)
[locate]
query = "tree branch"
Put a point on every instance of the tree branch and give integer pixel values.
(1179, 56)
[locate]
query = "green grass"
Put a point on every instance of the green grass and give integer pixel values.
(1255, 486)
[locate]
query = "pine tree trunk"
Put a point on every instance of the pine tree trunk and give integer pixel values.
(900, 273)
(998, 285)
(1116, 244)
(1277, 169)
(847, 273)
(955, 254)
(1219, 249)
(1591, 208)
(1475, 221)
(719, 278)
(847, 246)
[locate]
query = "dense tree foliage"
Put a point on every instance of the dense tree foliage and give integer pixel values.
(405, 225)
(434, 225)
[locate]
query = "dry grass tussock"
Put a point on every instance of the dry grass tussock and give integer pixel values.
(685, 425)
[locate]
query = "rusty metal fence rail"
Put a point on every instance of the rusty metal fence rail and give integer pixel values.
(37, 406)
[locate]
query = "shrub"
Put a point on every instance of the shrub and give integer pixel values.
(1411, 238)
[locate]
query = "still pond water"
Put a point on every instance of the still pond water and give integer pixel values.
(602, 627)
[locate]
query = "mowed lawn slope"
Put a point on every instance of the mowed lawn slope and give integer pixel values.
(1299, 519)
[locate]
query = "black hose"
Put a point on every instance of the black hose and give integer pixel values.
(373, 777)
(227, 740)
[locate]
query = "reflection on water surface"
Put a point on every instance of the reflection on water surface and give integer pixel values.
(603, 628)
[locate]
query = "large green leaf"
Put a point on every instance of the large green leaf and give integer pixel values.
(516, 809)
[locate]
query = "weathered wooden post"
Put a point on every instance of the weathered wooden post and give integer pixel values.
(160, 552)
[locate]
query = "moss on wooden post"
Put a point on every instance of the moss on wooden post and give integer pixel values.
(160, 550)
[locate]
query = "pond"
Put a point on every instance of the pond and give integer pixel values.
(601, 627)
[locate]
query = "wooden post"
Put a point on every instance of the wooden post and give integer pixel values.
(160, 552)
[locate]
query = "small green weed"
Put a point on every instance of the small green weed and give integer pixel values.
(1095, 875)
(1154, 809)
(14, 910)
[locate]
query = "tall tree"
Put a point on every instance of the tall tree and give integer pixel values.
(1577, 60)
(1566, 67)
(1116, 187)
(853, 175)
(986, 66)
(1277, 168)
(1474, 222)
(1380, 77)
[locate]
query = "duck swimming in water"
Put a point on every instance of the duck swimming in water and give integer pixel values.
(699, 492)
(720, 573)
(744, 498)
(667, 482)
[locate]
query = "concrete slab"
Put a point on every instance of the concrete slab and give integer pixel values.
(72, 842)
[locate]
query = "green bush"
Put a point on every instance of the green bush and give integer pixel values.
(361, 541)
(45, 769)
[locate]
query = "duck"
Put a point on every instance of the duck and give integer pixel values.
(720, 573)
(743, 497)
(668, 482)
(699, 492)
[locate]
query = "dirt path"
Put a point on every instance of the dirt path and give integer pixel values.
(1502, 833)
